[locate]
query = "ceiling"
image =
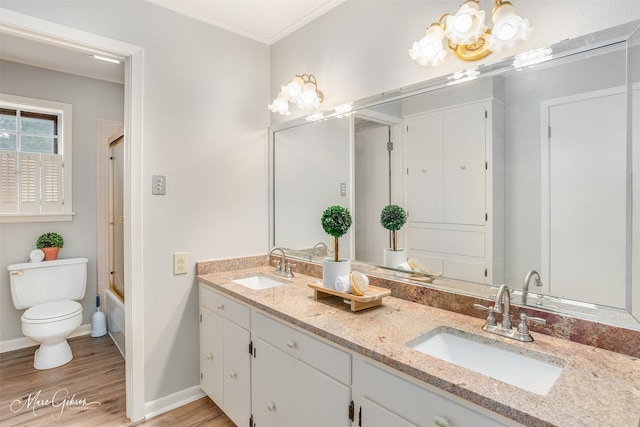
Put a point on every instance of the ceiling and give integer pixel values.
(266, 21)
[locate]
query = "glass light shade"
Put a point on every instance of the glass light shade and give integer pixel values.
(294, 88)
(308, 99)
(280, 105)
(466, 26)
(508, 28)
(429, 50)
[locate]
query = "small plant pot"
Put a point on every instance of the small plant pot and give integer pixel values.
(393, 259)
(331, 270)
(50, 254)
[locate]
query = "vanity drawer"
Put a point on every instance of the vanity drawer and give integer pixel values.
(417, 404)
(321, 356)
(226, 307)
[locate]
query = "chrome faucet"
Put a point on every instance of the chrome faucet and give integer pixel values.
(527, 279)
(502, 306)
(322, 245)
(283, 267)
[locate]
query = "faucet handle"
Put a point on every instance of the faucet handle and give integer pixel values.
(491, 318)
(288, 268)
(523, 328)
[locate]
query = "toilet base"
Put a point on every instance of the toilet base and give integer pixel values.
(50, 356)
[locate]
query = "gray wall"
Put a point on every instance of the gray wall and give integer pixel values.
(91, 100)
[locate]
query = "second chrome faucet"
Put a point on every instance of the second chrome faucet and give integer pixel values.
(503, 306)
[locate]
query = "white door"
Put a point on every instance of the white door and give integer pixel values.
(211, 356)
(586, 204)
(237, 373)
(464, 132)
(425, 168)
(274, 387)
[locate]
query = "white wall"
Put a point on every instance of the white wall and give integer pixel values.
(204, 127)
(360, 48)
(91, 100)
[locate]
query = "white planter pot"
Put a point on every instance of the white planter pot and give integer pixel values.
(393, 259)
(331, 270)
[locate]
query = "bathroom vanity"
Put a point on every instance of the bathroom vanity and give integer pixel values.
(277, 357)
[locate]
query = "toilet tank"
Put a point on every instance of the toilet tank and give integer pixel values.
(47, 281)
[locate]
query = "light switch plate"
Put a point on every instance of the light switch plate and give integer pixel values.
(159, 185)
(180, 260)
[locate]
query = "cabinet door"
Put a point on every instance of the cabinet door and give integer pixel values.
(321, 400)
(211, 355)
(424, 161)
(464, 165)
(274, 387)
(237, 373)
(374, 415)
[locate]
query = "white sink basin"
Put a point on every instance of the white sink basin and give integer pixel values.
(258, 282)
(482, 355)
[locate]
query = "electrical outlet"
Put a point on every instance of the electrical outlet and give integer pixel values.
(180, 263)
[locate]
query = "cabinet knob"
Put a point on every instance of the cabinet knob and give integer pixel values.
(291, 344)
(463, 167)
(424, 171)
(271, 407)
(233, 374)
(440, 421)
(209, 356)
(220, 306)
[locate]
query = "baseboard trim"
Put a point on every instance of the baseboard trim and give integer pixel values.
(24, 342)
(173, 401)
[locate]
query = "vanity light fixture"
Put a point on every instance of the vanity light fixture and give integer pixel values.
(301, 90)
(468, 36)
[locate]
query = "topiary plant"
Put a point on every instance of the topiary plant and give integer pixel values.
(336, 221)
(50, 240)
(393, 217)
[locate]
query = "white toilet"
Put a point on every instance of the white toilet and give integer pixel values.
(49, 290)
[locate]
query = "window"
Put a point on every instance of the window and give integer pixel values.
(35, 160)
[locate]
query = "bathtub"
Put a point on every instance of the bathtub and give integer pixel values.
(114, 310)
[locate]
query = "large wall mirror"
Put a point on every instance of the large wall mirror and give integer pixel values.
(504, 169)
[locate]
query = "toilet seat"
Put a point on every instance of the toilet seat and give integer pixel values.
(52, 312)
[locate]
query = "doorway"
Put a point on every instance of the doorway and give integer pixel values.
(56, 34)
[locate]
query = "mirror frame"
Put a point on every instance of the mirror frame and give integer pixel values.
(560, 50)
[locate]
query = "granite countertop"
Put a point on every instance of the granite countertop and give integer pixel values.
(596, 388)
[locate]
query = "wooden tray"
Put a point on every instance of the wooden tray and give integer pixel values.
(372, 296)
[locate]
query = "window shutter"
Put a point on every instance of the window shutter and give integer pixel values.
(8, 182)
(29, 172)
(51, 184)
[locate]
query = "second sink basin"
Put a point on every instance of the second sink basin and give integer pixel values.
(258, 282)
(484, 357)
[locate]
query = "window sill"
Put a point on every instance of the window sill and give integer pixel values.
(16, 218)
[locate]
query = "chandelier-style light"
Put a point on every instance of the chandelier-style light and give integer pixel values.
(302, 90)
(468, 36)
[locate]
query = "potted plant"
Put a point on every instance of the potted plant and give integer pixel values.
(336, 221)
(50, 244)
(393, 217)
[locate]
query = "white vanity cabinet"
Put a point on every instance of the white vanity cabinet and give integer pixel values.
(225, 359)
(455, 190)
(298, 380)
(384, 398)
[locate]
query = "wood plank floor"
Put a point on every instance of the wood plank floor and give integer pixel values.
(88, 391)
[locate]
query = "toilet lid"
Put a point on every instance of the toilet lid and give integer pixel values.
(52, 311)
